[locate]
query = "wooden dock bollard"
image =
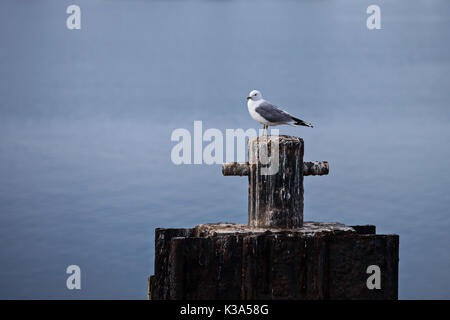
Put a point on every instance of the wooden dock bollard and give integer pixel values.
(277, 255)
(275, 180)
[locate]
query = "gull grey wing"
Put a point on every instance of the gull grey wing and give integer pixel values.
(271, 113)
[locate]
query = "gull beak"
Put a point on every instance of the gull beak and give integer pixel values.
(248, 98)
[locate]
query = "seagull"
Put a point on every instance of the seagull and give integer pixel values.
(270, 115)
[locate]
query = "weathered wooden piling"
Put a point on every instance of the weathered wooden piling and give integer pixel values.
(230, 261)
(275, 256)
(275, 180)
(276, 195)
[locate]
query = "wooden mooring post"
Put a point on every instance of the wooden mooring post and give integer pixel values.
(275, 197)
(277, 255)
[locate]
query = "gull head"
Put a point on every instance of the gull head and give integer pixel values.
(255, 95)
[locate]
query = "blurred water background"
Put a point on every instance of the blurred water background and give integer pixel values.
(86, 118)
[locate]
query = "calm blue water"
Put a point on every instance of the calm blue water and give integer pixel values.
(86, 118)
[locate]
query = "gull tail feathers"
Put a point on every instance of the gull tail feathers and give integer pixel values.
(299, 122)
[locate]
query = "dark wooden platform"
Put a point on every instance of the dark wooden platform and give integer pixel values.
(230, 261)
